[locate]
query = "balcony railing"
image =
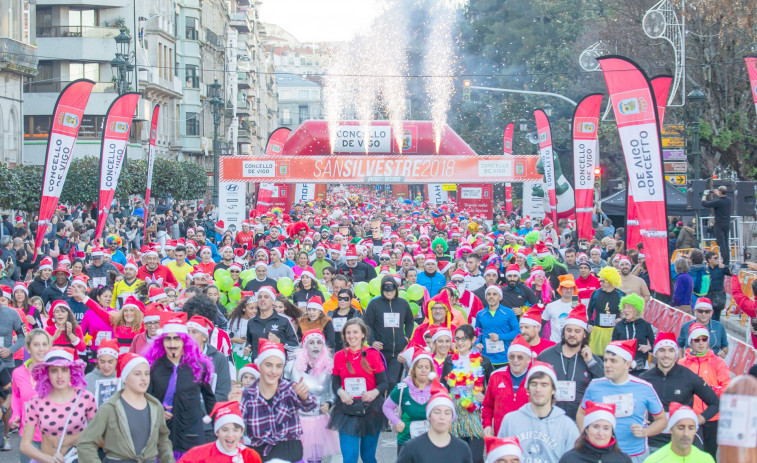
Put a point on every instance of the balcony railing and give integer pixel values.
(18, 56)
(77, 31)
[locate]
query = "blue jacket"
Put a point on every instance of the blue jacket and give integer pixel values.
(504, 323)
(718, 336)
(433, 284)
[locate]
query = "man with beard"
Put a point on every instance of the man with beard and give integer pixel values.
(631, 283)
(516, 295)
(153, 272)
(545, 432)
(573, 362)
(274, 234)
(474, 279)
(676, 383)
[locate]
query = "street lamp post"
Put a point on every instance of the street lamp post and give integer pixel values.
(121, 64)
(696, 99)
(214, 93)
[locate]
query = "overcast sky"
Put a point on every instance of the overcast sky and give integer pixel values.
(320, 20)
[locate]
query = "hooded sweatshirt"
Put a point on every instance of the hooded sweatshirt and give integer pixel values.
(542, 439)
(390, 321)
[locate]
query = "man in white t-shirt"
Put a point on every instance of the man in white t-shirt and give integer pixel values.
(556, 312)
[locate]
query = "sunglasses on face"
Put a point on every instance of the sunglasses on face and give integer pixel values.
(344, 298)
(383, 258)
(700, 340)
(234, 271)
(457, 282)
(388, 288)
(702, 311)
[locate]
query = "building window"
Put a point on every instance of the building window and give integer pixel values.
(304, 113)
(193, 78)
(193, 124)
(78, 20)
(36, 126)
(303, 94)
(84, 71)
(191, 29)
(286, 116)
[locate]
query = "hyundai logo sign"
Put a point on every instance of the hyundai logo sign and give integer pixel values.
(232, 187)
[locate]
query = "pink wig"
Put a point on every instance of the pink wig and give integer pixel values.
(201, 365)
(324, 362)
(546, 288)
(41, 375)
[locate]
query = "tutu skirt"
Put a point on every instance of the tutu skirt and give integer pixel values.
(318, 440)
(599, 339)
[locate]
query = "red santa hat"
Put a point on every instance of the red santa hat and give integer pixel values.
(97, 252)
(439, 397)
(577, 316)
(226, 413)
(22, 286)
(478, 244)
(132, 301)
(625, 349)
(429, 258)
(6, 292)
(61, 268)
(416, 353)
(127, 362)
(268, 290)
(260, 263)
(236, 265)
(173, 322)
(351, 252)
(220, 225)
(153, 313)
(497, 447)
(491, 268)
(512, 269)
(132, 264)
(315, 302)
(200, 324)
(703, 303)
(541, 250)
(250, 368)
(541, 367)
(495, 288)
(148, 251)
(80, 280)
(665, 340)
(268, 349)
(108, 347)
(46, 263)
(520, 344)
(315, 332)
(533, 316)
(64, 260)
(697, 331)
(596, 411)
(309, 271)
(170, 245)
(439, 331)
(680, 412)
(223, 249)
(156, 294)
(205, 249)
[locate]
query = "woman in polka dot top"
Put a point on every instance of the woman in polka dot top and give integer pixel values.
(61, 408)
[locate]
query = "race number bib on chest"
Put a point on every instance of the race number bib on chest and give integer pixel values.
(623, 404)
(606, 319)
(566, 391)
(494, 347)
(355, 387)
(339, 323)
(391, 320)
(418, 428)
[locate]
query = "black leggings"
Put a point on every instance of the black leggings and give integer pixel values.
(476, 445)
(288, 450)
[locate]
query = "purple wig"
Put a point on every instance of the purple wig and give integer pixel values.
(201, 365)
(41, 375)
(546, 288)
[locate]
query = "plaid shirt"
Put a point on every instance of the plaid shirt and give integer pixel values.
(270, 423)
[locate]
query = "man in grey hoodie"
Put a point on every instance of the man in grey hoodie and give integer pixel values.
(545, 432)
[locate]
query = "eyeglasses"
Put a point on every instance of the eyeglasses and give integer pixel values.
(700, 339)
(457, 282)
(345, 298)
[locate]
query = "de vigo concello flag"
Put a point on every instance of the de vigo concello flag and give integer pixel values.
(751, 67)
(635, 109)
(115, 137)
(64, 129)
(547, 160)
(585, 159)
(660, 87)
(150, 162)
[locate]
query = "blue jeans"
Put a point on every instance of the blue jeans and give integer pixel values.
(351, 445)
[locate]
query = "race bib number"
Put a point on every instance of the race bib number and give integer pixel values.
(738, 421)
(339, 323)
(623, 404)
(102, 336)
(566, 391)
(494, 347)
(104, 390)
(391, 320)
(123, 350)
(418, 428)
(302, 305)
(606, 320)
(99, 281)
(355, 387)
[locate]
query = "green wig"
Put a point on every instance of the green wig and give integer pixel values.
(532, 237)
(439, 240)
(633, 299)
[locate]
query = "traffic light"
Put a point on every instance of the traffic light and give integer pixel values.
(597, 171)
(597, 180)
(466, 90)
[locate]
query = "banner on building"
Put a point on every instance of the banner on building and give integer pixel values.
(633, 103)
(116, 131)
(751, 67)
(547, 160)
(476, 199)
(437, 194)
(151, 161)
(585, 159)
(508, 140)
(64, 128)
(379, 169)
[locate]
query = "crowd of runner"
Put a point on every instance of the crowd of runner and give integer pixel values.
(305, 334)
